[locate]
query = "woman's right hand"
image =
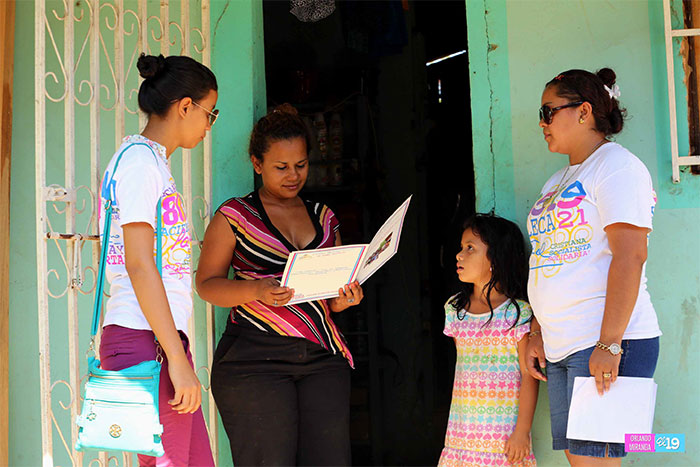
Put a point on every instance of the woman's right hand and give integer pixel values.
(188, 389)
(270, 292)
(534, 356)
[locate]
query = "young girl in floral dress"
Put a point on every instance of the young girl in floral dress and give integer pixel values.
(494, 397)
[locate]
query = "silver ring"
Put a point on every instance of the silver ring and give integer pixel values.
(350, 300)
(275, 303)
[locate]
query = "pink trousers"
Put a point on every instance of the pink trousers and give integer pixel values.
(185, 438)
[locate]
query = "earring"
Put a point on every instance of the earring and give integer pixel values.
(490, 268)
(581, 120)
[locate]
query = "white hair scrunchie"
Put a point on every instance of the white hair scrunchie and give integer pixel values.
(614, 92)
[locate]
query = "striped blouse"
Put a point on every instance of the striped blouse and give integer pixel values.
(261, 251)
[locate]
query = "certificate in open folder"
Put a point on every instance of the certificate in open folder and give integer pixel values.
(317, 274)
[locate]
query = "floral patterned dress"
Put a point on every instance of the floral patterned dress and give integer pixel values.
(486, 387)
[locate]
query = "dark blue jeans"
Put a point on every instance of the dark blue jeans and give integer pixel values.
(638, 359)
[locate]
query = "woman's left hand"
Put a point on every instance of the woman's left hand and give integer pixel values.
(348, 296)
(604, 367)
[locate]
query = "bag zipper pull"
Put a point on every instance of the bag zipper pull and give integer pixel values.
(92, 415)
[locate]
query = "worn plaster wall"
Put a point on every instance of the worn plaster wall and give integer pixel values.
(515, 47)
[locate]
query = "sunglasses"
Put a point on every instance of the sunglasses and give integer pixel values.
(547, 112)
(213, 115)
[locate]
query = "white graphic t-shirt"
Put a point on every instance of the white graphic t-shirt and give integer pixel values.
(570, 252)
(143, 179)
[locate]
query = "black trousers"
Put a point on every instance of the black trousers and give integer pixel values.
(284, 401)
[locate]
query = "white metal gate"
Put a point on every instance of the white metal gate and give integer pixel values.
(676, 160)
(86, 87)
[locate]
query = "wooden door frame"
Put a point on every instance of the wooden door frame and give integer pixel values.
(7, 40)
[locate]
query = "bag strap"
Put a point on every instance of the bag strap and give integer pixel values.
(97, 308)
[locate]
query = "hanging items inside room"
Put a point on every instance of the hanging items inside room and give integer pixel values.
(310, 11)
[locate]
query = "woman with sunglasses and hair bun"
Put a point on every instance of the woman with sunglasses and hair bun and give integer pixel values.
(148, 309)
(588, 230)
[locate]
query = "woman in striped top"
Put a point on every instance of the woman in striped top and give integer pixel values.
(281, 374)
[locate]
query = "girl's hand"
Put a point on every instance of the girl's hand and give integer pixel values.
(517, 446)
(603, 363)
(348, 296)
(534, 355)
(270, 292)
(188, 393)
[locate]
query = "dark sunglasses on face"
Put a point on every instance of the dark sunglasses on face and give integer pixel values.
(547, 112)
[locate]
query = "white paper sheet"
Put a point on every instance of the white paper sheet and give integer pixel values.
(317, 274)
(627, 408)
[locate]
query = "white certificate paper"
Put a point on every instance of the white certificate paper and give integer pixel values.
(317, 274)
(628, 407)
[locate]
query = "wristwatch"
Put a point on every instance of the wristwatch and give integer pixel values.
(613, 348)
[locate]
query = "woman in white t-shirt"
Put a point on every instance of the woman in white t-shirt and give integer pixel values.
(178, 94)
(588, 230)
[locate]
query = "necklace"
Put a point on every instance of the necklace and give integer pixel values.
(561, 186)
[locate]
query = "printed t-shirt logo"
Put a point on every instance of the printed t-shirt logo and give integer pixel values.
(176, 237)
(558, 230)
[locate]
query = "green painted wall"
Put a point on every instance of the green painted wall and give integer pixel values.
(237, 60)
(25, 412)
(515, 47)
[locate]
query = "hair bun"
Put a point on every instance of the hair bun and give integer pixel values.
(607, 76)
(150, 65)
(285, 108)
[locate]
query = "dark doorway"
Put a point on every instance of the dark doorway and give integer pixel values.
(393, 126)
(450, 174)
